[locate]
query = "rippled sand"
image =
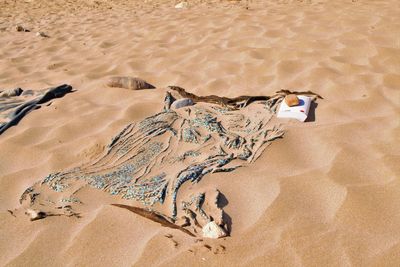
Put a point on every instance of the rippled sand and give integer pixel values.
(326, 194)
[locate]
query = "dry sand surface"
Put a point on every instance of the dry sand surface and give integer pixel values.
(327, 194)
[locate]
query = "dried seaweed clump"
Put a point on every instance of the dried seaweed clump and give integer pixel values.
(148, 162)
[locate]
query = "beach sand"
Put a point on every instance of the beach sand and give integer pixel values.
(327, 194)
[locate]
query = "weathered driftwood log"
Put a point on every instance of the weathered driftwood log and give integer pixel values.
(154, 216)
(131, 83)
(235, 102)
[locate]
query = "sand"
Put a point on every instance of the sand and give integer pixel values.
(328, 193)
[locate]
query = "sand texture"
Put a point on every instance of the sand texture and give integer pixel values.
(326, 194)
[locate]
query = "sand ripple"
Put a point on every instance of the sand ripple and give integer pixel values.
(327, 194)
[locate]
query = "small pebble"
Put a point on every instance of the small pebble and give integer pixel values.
(182, 5)
(36, 215)
(11, 92)
(292, 100)
(213, 230)
(42, 34)
(180, 103)
(19, 28)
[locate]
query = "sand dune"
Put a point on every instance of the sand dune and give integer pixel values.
(328, 193)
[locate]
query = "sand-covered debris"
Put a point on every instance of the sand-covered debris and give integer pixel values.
(132, 83)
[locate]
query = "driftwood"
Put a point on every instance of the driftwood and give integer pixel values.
(235, 102)
(154, 216)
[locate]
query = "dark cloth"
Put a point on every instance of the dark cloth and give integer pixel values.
(14, 108)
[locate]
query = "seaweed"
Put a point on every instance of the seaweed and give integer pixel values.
(147, 162)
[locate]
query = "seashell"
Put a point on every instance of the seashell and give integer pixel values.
(183, 102)
(292, 100)
(11, 92)
(213, 230)
(129, 83)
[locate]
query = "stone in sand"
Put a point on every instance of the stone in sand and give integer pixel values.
(42, 34)
(35, 215)
(11, 92)
(168, 100)
(292, 100)
(182, 5)
(213, 230)
(180, 103)
(132, 83)
(183, 221)
(19, 28)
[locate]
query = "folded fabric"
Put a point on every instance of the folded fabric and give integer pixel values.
(16, 103)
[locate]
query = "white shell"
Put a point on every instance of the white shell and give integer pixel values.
(182, 5)
(213, 230)
(183, 102)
